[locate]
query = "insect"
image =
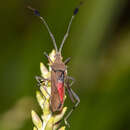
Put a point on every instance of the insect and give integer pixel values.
(59, 78)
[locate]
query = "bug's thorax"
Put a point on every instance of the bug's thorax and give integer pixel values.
(58, 63)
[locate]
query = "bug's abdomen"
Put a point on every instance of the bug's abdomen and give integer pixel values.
(60, 87)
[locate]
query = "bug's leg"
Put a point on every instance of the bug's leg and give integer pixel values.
(67, 60)
(46, 92)
(68, 85)
(49, 59)
(78, 101)
(72, 80)
(73, 108)
(73, 96)
(40, 80)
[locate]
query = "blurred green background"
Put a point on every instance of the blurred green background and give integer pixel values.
(99, 44)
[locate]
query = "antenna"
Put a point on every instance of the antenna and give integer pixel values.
(46, 25)
(68, 29)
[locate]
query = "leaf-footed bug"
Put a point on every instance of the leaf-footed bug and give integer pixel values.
(59, 77)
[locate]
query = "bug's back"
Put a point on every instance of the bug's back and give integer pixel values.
(57, 85)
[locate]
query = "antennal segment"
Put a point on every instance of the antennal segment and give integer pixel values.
(67, 33)
(68, 29)
(46, 25)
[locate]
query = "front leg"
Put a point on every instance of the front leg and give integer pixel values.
(49, 59)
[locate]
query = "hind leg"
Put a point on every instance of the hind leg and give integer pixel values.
(73, 96)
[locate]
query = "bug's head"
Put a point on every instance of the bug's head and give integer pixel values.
(58, 56)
